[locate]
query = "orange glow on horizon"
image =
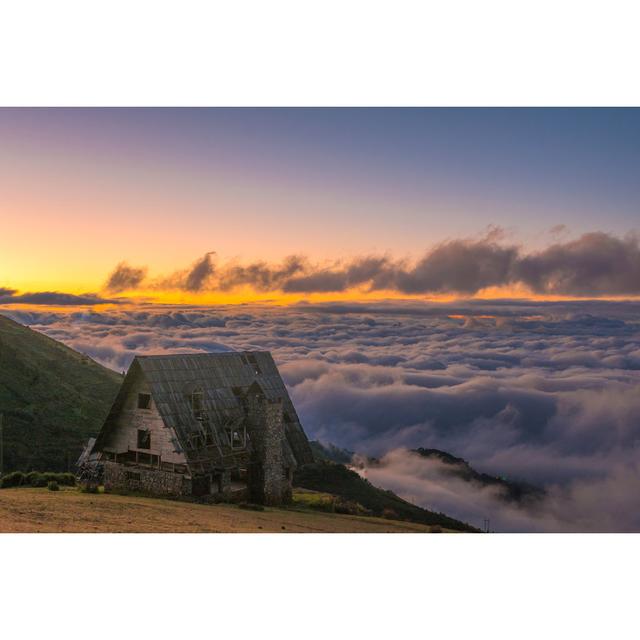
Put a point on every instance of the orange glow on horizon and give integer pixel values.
(248, 296)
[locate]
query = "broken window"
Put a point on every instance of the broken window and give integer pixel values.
(144, 439)
(196, 441)
(144, 401)
(237, 437)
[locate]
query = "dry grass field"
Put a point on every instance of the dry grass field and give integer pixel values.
(27, 510)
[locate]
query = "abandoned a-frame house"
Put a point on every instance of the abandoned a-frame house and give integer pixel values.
(217, 425)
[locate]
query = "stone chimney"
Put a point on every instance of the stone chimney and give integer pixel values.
(266, 431)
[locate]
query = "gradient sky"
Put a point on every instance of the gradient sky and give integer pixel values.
(83, 189)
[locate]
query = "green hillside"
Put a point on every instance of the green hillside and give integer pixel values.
(52, 399)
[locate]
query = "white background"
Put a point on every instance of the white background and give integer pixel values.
(319, 53)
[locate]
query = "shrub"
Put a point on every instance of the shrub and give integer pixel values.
(14, 479)
(32, 477)
(37, 479)
(323, 505)
(344, 506)
(63, 479)
(66, 479)
(436, 528)
(53, 486)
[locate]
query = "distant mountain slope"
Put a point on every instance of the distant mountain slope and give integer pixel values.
(52, 398)
(511, 490)
(335, 478)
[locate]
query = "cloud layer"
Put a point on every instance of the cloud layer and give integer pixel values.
(542, 392)
(593, 265)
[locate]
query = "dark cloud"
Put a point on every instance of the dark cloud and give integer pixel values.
(379, 271)
(197, 278)
(260, 275)
(596, 264)
(4, 291)
(460, 267)
(55, 298)
(199, 273)
(125, 277)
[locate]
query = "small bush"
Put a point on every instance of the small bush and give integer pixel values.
(38, 480)
(66, 479)
(436, 528)
(327, 506)
(53, 486)
(349, 507)
(15, 479)
(250, 506)
(32, 478)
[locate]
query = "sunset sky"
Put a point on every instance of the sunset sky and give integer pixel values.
(83, 190)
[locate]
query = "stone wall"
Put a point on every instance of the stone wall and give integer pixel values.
(124, 477)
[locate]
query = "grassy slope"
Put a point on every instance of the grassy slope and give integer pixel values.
(53, 399)
(69, 510)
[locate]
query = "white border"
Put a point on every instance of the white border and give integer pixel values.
(323, 53)
(319, 586)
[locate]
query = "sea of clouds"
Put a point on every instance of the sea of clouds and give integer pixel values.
(543, 392)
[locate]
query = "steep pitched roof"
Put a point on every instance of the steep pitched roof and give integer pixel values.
(223, 379)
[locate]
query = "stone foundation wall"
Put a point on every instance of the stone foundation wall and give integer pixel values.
(123, 477)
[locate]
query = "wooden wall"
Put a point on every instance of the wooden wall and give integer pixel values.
(124, 436)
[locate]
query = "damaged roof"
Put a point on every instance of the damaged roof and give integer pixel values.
(223, 379)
